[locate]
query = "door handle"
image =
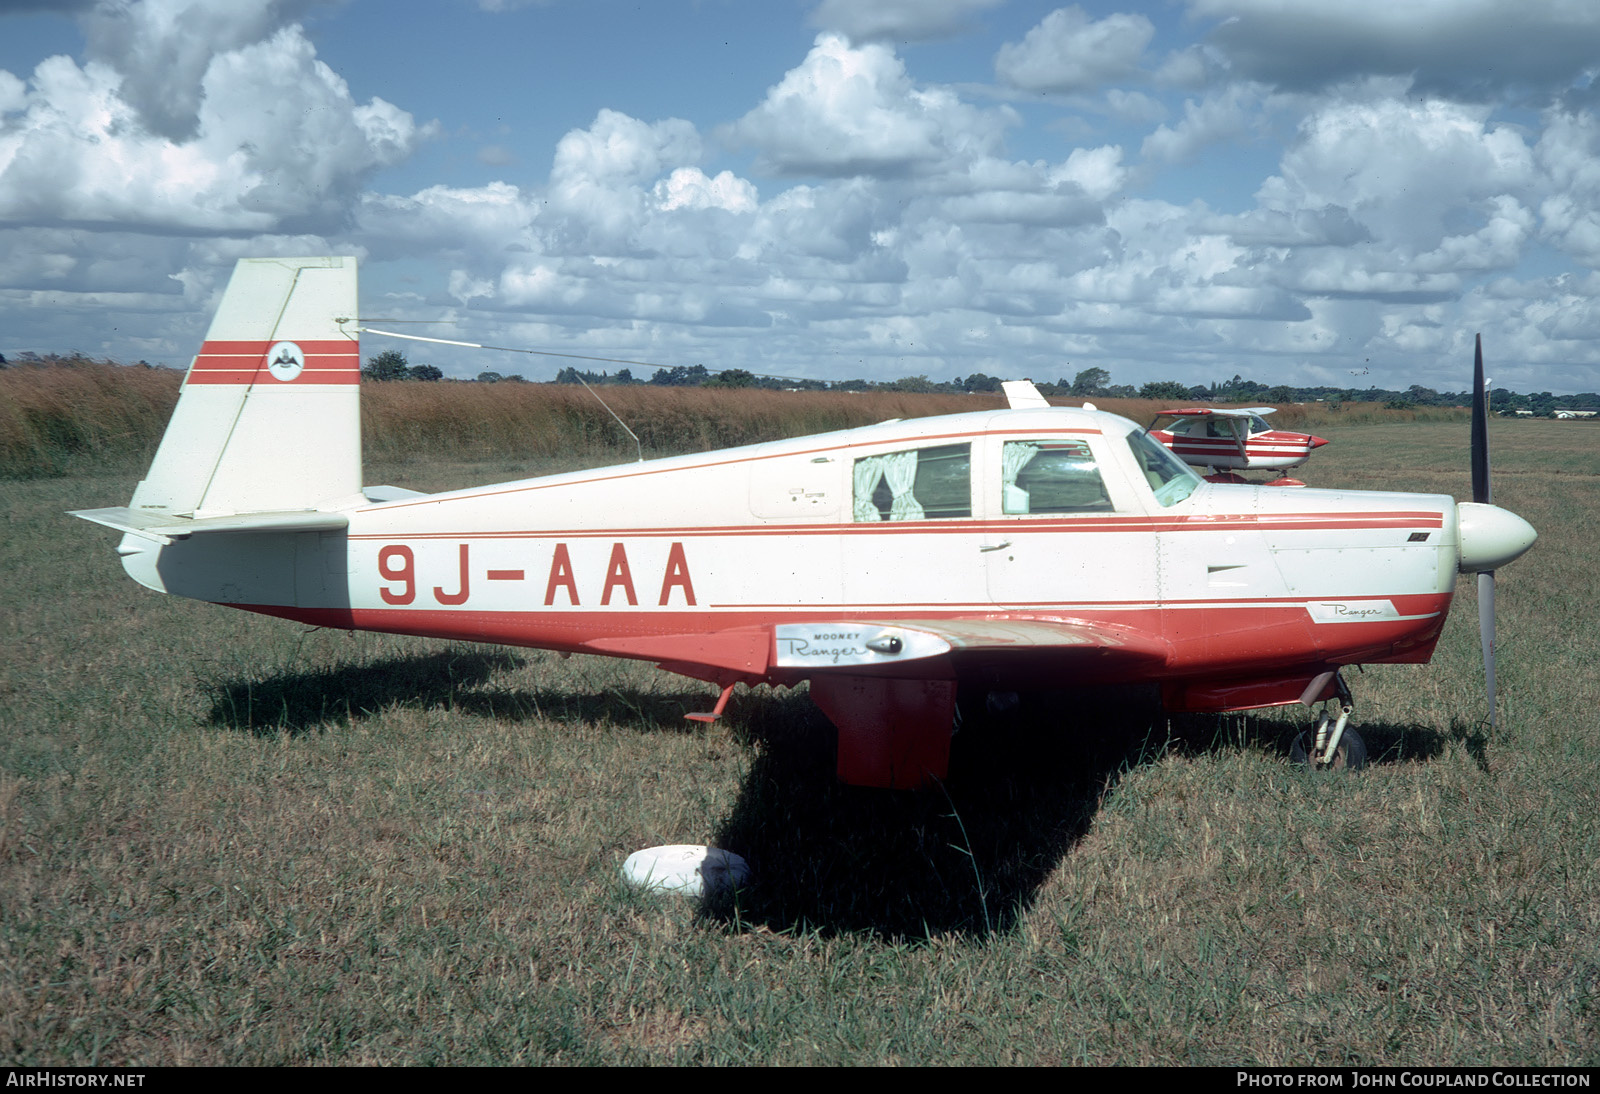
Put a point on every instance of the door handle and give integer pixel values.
(995, 546)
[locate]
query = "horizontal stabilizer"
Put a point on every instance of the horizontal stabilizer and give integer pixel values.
(163, 528)
(390, 493)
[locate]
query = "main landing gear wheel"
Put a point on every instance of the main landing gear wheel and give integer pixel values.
(1351, 755)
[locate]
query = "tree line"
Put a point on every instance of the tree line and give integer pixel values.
(1088, 383)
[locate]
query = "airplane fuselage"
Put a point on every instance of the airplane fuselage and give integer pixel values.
(1031, 548)
(1247, 589)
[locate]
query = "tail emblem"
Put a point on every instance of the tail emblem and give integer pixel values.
(286, 361)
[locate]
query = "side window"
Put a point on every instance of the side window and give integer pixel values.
(1051, 477)
(922, 484)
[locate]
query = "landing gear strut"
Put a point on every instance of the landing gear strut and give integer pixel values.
(1329, 745)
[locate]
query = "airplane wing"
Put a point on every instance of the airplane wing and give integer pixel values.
(735, 653)
(1216, 412)
(913, 648)
(883, 644)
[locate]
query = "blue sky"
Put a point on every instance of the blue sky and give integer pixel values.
(1313, 192)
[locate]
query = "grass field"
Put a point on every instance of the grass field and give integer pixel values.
(227, 839)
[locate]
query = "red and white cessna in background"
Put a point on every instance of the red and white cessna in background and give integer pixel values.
(1227, 440)
(888, 565)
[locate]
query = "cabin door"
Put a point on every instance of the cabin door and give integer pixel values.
(1059, 537)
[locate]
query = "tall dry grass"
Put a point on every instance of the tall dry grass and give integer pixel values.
(496, 421)
(94, 416)
(54, 420)
(98, 416)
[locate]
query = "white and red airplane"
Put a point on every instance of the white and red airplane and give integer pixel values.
(1226, 440)
(1029, 547)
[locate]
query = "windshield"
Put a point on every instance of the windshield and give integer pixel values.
(1170, 478)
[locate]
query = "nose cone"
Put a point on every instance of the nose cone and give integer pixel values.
(1490, 536)
(1318, 442)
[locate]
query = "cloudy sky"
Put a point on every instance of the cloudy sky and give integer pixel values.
(1309, 192)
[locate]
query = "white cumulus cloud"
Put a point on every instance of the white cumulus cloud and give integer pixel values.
(1404, 169)
(854, 111)
(1226, 115)
(1569, 152)
(1068, 51)
(689, 188)
(279, 141)
(163, 48)
(480, 220)
(1098, 172)
(600, 176)
(13, 93)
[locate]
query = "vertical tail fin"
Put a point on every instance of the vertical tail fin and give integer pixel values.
(269, 418)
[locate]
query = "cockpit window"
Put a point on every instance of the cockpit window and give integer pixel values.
(1170, 478)
(1258, 424)
(922, 484)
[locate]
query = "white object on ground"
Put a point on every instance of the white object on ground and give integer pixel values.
(688, 868)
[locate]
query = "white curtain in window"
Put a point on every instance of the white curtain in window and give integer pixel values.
(900, 468)
(1015, 458)
(868, 473)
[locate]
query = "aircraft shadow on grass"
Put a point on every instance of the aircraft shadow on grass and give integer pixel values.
(965, 858)
(300, 702)
(968, 857)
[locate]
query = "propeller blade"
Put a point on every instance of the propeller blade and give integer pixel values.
(1486, 634)
(1482, 492)
(1480, 429)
